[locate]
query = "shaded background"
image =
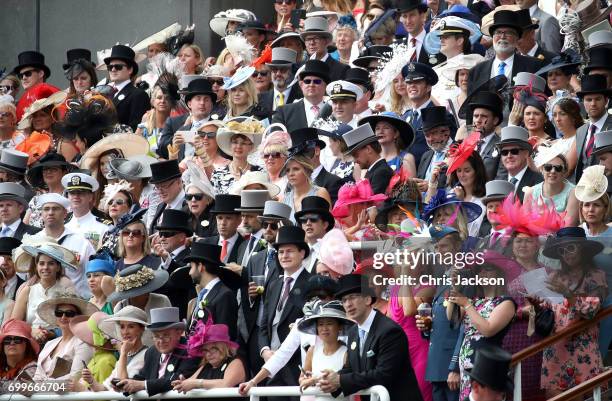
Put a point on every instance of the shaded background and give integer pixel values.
(54, 26)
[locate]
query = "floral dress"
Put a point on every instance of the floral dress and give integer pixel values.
(222, 179)
(568, 363)
(474, 340)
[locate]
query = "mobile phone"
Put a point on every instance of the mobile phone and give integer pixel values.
(115, 382)
(188, 136)
(84, 365)
(297, 15)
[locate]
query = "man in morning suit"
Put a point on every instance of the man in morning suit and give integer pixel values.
(506, 32)
(527, 44)
(487, 113)
(413, 15)
(515, 152)
(12, 206)
(131, 102)
(377, 348)
(437, 132)
(363, 145)
(166, 360)
(317, 37)
(284, 302)
(548, 32)
(313, 80)
(281, 71)
(166, 177)
(228, 220)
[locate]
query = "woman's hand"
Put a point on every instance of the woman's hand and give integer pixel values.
(361, 219)
(460, 192)
(184, 385)
(458, 299)
(127, 345)
(379, 108)
(87, 376)
(306, 382)
(516, 115)
(178, 139)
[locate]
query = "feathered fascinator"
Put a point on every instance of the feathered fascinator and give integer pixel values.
(458, 153)
(88, 118)
(329, 124)
(350, 194)
(198, 338)
(391, 65)
(265, 57)
(336, 253)
(346, 21)
(241, 50)
(110, 190)
(531, 218)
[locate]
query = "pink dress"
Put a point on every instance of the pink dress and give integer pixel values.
(417, 345)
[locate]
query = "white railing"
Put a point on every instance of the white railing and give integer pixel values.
(377, 393)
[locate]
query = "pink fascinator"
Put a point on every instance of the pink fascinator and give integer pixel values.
(275, 138)
(198, 338)
(350, 194)
(336, 253)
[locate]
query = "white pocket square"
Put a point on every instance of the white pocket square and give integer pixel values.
(370, 354)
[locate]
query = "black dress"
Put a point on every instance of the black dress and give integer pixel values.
(196, 223)
(210, 373)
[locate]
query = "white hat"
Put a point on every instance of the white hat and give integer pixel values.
(344, 90)
(79, 181)
(254, 177)
(592, 185)
(54, 198)
(460, 62)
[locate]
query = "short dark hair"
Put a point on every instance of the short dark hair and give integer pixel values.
(480, 175)
(376, 147)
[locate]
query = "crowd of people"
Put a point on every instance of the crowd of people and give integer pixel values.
(236, 219)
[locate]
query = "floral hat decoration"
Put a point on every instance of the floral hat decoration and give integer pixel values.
(350, 194)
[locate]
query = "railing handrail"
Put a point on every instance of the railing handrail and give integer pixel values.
(566, 332)
(585, 387)
(278, 391)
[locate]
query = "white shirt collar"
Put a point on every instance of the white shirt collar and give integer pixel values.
(533, 50)
(294, 276)
(424, 105)
(367, 325)
(13, 226)
(119, 86)
(316, 172)
(177, 251)
(230, 241)
(600, 123)
(85, 217)
(373, 164)
(210, 285)
(419, 38)
(177, 203)
(519, 176)
(507, 69)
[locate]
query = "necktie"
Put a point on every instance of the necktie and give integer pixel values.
(362, 336)
(285, 294)
(501, 68)
(413, 57)
(6, 231)
(591, 144)
(280, 100)
(513, 181)
(315, 109)
(196, 124)
(270, 257)
(162, 365)
(494, 238)
(224, 250)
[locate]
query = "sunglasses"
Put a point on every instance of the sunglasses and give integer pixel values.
(216, 81)
(568, 249)
(167, 234)
(26, 74)
(209, 134)
(312, 81)
(133, 233)
(514, 152)
(275, 155)
(13, 340)
(273, 226)
(260, 73)
(67, 313)
(118, 202)
(6, 88)
(197, 197)
(550, 167)
(311, 217)
(284, 1)
(116, 67)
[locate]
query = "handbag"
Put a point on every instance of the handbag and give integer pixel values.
(544, 322)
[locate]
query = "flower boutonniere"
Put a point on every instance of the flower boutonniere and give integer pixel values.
(170, 368)
(202, 305)
(262, 243)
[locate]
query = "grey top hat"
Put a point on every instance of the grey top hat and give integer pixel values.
(274, 210)
(14, 161)
(13, 191)
(166, 318)
(600, 38)
(603, 142)
(497, 190)
(515, 135)
(316, 25)
(133, 168)
(283, 57)
(525, 78)
(358, 138)
(253, 200)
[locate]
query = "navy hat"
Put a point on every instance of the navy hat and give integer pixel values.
(571, 235)
(337, 133)
(568, 62)
(417, 71)
(405, 130)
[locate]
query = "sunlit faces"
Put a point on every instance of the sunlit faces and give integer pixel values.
(534, 118)
(262, 78)
(594, 212)
(344, 38)
(10, 211)
(290, 256)
(514, 158)
(466, 174)
(312, 86)
(30, 76)
(418, 91)
(239, 96)
(94, 280)
(167, 340)
(314, 226)
(484, 120)
(270, 228)
(554, 171)
(328, 328)
(315, 44)
(160, 101)
(241, 146)
(227, 224)
(357, 306)
(133, 236)
(399, 85)
(47, 268)
(53, 214)
(505, 40)
(281, 76)
(64, 313)
(437, 138)
(169, 190)
(462, 79)
(118, 205)
(296, 174)
(493, 208)
(254, 37)
(250, 223)
(130, 330)
(563, 121)
(154, 49)
(274, 161)
(343, 109)
(413, 21)
(190, 59)
(197, 201)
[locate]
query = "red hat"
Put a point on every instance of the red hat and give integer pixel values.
(367, 266)
(37, 92)
(350, 194)
(19, 328)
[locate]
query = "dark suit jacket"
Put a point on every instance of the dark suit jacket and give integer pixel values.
(222, 305)
(379, 176)
(266, 99)
(544, 55)
(385, 359)
(24, 228)
(337, 70)
(330, 182)
(19, 282)
(234, 254)
(481, 72)
(182, 366)
(419, 145)
(250, 246)
(581, 142)
(492, 160)
(530, 178)
(158, 212)
(131, 104)
(178, 293)
(292, 116)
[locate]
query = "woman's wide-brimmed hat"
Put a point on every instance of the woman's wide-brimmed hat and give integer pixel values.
(137, 280)
(166, 318)
(128, 313)
(64, 256)
(316, 205)
(350, 194)
(568, 62)
(510, 268)
(53, 99)
(133, 168)
(46, 309)
(593, 184)
(208, 334)
(218, 23)
(19, 328)
(87, 329)
(332, 310)
(571, 235)
(34, 175)
(405, 130)
(252, 178)
(246, 126)
(472, 211)
(460, 62)
(335, 252)
(241, 75)
(126, 145)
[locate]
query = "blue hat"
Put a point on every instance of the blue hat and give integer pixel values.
(101, 266)
(472, 211)
(416, 71)
(337, 132)
(240, 76)
(439, 231)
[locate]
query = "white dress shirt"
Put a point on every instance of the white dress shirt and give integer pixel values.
(12, 228)
(119, 86)
(419, 42)
(275, 99)
(231, 241)
(166, 263)
(367, 325)
(310, 115)
(518, 176)
(507, 69)
(177, 203)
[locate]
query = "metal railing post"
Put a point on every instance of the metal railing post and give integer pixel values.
(518, 393)
(597, 393)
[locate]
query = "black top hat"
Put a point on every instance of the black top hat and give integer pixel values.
(7, 244)
(354, 284)
(73, 55)
(317, 68)
(409, 5)
(594, 84)
(32, 59)
(599, 57)
(226, 204)
(199, 86)
(370, 54)
(175, 220)
(491, 368)
(210, 256)
(495, 85)
(490, 101)
(292, 235)
(316, 205)
(303, 138)
(506, 18)
(164, 171)
(358, 76)
(436, 116)
(523, 19)
(252, 24)
(51, 159)
(571, 235)
(125, 53)
(317, 284)
(416, 71)
(405, 130)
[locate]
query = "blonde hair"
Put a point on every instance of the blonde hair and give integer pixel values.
(198, 52)
(10, 107)
(305, 163)
(224, 349)
(460, 223)
(146, 244)
(605, 199)
(339, 6)
(249, 87)
(151, 119)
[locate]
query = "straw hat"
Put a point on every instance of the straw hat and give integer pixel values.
(40, 104)
(246, 126)
(46, 309)
(129, 313)
(592, 185)
(33, 247)
(137, 280)
(127, 145)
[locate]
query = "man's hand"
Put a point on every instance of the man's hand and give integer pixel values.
(253, 290)
(330, 381)
(234, 267)
(131, 386)
(453, 381)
